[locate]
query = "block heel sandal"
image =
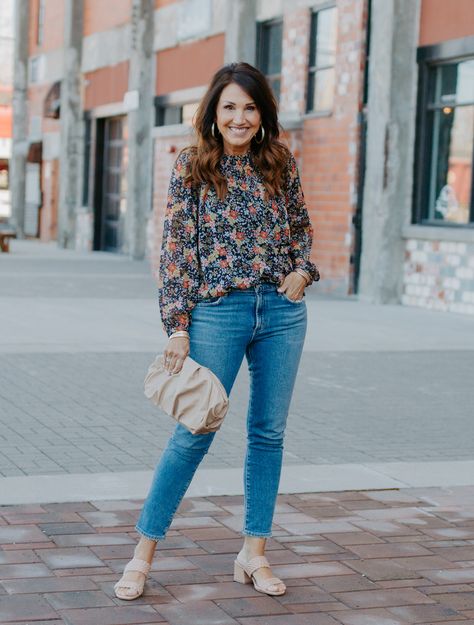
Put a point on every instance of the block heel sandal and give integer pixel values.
(243, 573)
(135, 564)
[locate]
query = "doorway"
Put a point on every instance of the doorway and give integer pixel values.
(110, 198)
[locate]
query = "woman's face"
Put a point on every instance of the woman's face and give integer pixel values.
(237, 119)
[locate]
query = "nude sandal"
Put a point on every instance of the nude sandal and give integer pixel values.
(135, 564)
(243, 573)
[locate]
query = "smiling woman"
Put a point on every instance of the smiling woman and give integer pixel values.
(234, 266)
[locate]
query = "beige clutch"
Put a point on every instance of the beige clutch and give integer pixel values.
(195, 396)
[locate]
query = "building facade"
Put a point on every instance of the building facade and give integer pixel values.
(375, 101)
(6, 91)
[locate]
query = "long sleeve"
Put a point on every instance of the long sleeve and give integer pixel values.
(301, 230)
(178, 277)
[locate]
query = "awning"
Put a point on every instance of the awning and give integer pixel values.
(52, 101)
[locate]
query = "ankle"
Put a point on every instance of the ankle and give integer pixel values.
(145, 550)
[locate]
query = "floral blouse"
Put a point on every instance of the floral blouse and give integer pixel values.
(243, 240)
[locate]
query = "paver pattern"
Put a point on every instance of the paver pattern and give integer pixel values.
(391, 557)
(78, 332)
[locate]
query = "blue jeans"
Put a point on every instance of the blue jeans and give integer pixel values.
(269, 329)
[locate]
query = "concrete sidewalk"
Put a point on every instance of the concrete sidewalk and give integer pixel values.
(383, 398)
(352, 558)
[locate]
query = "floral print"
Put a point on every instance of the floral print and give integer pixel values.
(243, 240)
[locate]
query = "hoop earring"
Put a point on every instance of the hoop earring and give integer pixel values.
(263, 135)
(213, 130)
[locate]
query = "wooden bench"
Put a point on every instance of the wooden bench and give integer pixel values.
(5, 236)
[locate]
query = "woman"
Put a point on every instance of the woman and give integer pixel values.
(234, 267)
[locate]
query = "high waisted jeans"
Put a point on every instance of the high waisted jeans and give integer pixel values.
(269, 329)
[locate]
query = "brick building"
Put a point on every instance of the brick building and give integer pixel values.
(386, 167)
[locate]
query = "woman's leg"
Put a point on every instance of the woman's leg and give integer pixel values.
(273, 356)
(219, 345)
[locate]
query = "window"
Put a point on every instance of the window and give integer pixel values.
(445, 140)
(167, 114)
(36, 69)
(40, 24)
(322, 60)
(269, 52)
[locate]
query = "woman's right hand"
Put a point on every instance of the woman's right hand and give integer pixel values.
(175, 354)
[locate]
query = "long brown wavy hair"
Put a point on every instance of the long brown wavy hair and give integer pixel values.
(270, 156)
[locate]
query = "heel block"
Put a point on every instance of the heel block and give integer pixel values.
(240, 575)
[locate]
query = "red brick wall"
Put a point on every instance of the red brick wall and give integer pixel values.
(330, 148)
(441, 20)
(106, 85)
(98, 15)
(5, 122)
(189, 65)
(53, 30)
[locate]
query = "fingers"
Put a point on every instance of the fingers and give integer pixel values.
(173, 363)
(175, 354)
(293, 286)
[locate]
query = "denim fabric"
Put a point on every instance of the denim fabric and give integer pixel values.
(269, 330)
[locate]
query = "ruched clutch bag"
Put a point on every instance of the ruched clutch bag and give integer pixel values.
(195, 396)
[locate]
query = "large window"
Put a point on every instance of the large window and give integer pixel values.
(269, 52)
(322, 60)
(444, 164)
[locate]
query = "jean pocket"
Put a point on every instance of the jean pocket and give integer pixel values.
(211, 301)
(292, 301)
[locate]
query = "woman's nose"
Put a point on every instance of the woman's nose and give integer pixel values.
(238, 117)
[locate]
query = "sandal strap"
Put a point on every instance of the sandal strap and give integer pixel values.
(271, 581)
(136, 564)
(258, 562)
(136, 586)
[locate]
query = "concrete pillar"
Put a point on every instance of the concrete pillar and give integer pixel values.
(390, 147)
(140, 124)
(20, 116)
(72, 136)
(241, 31)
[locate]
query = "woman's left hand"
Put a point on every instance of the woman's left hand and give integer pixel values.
(293, 286)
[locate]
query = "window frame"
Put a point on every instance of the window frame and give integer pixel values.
(262, 49)
(429, 58)
(177, 100)
(313, 68)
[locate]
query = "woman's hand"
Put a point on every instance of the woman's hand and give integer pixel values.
(175, 354)
(293, 286)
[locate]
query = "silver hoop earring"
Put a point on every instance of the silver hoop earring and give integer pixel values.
(263, 135)
(213, 130)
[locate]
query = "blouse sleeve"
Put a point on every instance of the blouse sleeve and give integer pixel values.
(301, 230)
(178, 276)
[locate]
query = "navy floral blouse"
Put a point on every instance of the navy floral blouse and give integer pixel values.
(243, 240)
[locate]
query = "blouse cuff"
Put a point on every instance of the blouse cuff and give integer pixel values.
(309, 267)
(174, 326)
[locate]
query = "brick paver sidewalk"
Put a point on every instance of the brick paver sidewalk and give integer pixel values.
(356, 558)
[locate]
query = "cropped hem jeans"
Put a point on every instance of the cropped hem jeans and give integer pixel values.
(268, 329)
